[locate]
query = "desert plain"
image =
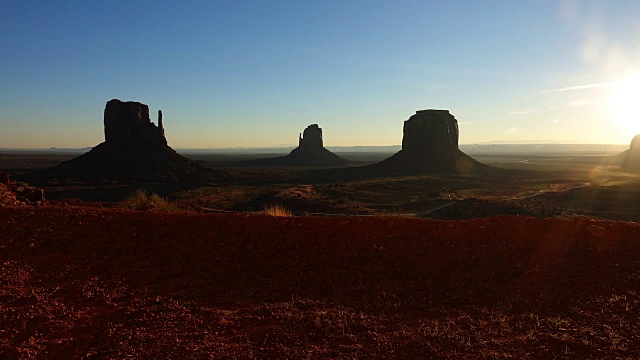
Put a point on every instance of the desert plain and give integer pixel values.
(539, 258)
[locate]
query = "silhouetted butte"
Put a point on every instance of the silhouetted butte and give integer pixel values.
(135, 149)
(430, 144)
(310, 152)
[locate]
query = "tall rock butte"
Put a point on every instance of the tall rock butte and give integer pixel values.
(432, 132)
(430, 144)
(129, 123)
(310, 152)
(631, 157)
(311, 137)
(135, 149)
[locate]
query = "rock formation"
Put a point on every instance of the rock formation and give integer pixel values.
(134, 150)
(18, 194)
(129, 123)
(310, 152)
(430, 144)
(430, 132)
(631, 157)
(311, 137)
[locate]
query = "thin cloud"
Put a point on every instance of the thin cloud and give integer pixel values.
(583, 87)
(523, 112)
(587, 100)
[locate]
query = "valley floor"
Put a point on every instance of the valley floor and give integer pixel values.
(85, 282)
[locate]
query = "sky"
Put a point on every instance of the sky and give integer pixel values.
(255, 73)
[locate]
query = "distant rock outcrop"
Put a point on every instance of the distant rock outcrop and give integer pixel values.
(631, 157)
(310, 152)
(135, 149)
(430, 143)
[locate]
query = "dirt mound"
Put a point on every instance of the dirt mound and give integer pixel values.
(88, 282)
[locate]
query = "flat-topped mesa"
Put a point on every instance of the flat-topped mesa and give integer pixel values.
(430, 145)
(311, 137)
(430, 132)
(129, 123)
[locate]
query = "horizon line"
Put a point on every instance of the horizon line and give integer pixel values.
(496, 142)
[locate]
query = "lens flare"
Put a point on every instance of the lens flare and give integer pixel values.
(600, 174)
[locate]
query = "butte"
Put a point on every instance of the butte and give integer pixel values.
(310, 152)
(430, 145)
(134, 150)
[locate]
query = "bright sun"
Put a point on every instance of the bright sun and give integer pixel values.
(624, 102)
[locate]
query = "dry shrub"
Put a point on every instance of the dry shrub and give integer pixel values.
(140, 199)
(277, 210)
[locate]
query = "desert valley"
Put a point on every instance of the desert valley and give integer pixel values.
(133, 250)
(320, 179)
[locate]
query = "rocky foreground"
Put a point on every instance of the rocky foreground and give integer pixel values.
(14, 194)
(82, 282)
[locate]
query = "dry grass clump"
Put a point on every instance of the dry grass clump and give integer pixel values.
(140, 199)
(277, 210)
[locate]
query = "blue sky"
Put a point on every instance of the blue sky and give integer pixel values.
(256, 73)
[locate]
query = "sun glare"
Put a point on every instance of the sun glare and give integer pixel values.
(624, 102)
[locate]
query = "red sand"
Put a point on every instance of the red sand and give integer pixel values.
(111, 283)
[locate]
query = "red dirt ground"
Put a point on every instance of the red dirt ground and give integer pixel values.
(83, 282)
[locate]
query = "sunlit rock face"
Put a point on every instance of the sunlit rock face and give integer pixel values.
(632, 160)
(430, 132)
(129, 123)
